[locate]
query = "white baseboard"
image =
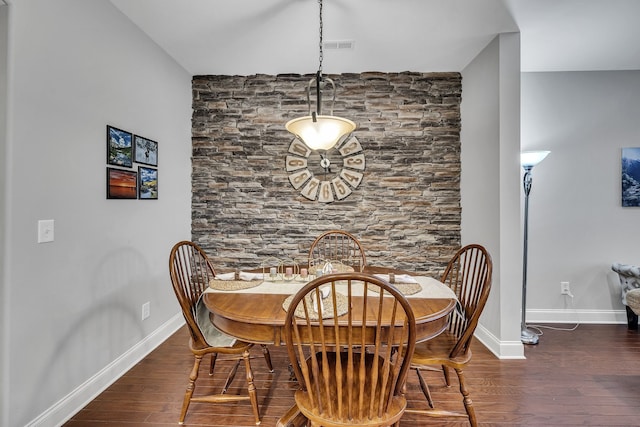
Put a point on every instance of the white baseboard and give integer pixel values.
(501, 349)
(515, 349)
(577, 316)
(68, 406)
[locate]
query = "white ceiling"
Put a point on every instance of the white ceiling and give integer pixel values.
(245, 37)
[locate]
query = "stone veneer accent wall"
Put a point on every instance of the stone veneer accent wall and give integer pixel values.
(406, 212)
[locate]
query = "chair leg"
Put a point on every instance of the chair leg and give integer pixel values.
(230, 377)
(267, 357)
(468, 404)
(214, 356)
(632, 319)
(447, 379)
(190, 388)
(292, 418)
(292, 375)
(253, 394)
(425, 388)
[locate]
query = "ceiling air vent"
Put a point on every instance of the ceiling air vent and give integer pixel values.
(339, 44)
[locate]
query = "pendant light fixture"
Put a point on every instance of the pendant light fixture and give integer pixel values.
(320, 132)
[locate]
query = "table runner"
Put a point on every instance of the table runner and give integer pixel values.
(431, 288)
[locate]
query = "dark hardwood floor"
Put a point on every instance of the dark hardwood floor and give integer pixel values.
(590, 376)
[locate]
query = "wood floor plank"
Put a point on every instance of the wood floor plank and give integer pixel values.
(590, 376)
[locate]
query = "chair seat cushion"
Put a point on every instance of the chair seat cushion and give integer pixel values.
(214, 336)
(633, 300)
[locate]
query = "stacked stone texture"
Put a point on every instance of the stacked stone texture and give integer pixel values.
(406, 212)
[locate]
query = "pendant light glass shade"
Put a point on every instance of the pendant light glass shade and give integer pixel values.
(320, 132)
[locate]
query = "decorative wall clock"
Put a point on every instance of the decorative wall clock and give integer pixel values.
(314, 175)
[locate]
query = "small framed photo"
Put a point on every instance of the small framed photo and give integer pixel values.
(145, 151)
(122, 184)
(147, 183)
(119, 147)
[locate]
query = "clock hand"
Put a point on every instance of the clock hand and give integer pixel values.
(325, 163)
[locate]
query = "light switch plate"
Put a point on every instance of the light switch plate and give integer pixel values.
(45, 230)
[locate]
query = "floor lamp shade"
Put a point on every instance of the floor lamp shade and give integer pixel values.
(532, 158)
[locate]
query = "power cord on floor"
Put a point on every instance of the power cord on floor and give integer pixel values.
(538, 331)
(553, 328)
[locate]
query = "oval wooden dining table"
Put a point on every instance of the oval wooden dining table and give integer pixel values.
(259, 317)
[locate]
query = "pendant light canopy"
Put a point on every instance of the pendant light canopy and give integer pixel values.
(320, 132)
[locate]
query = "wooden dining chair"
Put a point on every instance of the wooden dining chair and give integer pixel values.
(350, 351)
(190, 272)
(338, 245)
(468, 274)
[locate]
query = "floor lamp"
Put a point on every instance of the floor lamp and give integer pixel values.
(528, 159)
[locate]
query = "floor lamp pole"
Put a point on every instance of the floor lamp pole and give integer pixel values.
(527, 336)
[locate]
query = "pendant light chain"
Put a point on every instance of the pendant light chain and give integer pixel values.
(321, 56)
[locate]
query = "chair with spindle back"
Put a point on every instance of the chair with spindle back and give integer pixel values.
(468, 274)
(338, 245)
(352, 361)
(190, 272)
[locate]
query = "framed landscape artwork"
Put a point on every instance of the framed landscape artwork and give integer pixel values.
(148, 183)
(630, 176)
(146, 151)
(119, 148)
(121, 184)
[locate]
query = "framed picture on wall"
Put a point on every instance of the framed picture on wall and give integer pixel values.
(146, 151)
(631, 176)
(121, 184)
(147, 183)
(119, 148)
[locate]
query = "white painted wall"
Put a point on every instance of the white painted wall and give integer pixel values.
(4, 32)
(577, 226)
(480, 136)
(73, 306)
(490, 184)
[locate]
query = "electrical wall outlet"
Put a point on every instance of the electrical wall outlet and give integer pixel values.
(146, 310)
(565, 289)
